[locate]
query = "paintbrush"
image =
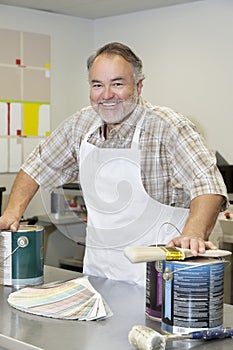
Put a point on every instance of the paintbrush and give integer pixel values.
(137, 254)
(145, 338)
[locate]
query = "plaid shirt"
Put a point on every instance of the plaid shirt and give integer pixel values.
(176, 165)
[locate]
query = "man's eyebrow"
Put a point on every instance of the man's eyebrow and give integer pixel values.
(117, 78)
(95, 81)
(114, 79)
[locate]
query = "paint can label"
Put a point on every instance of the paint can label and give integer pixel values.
(193, 296)
(154, 290)
(21, 256)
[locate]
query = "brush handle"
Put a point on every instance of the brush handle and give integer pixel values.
(138, 254)
(212, 334)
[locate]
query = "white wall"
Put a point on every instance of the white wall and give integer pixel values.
(187, 51)
(71, 43)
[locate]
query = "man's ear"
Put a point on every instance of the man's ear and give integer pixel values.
(139, 87)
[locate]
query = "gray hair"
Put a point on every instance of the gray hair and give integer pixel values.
(121, 50)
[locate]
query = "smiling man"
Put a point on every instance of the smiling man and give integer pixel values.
(114, 91)
(146, 174)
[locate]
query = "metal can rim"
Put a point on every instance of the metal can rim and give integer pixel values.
(29, 228)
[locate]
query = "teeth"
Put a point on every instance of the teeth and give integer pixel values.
(109, 104)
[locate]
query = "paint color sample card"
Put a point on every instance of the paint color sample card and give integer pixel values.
(72, 300)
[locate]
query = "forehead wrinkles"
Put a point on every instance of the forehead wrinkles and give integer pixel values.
(111, 67)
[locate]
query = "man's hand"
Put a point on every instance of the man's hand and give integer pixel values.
(204, 212)
(8, 222)
(22, 192)
(195, 244)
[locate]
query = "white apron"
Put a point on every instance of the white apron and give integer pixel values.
(120, 212)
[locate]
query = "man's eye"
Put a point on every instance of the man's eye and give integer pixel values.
(118, 84)
(96, 86)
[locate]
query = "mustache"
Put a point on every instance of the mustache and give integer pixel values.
(116, 101)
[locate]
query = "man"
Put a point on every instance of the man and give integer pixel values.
(145, 172)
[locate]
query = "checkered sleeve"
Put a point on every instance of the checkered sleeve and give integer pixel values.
(194, 165)
(54, 161)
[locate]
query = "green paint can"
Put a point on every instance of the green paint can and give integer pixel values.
(22, 256)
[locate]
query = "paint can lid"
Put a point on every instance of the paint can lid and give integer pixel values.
(28, 228)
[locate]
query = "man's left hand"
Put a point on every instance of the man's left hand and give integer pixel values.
(195, 244)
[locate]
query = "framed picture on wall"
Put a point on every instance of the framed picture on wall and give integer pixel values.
(24, 95)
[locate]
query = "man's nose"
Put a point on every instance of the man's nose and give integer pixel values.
(108, 93)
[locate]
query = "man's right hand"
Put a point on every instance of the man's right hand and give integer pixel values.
(22, 192)
(8, 222)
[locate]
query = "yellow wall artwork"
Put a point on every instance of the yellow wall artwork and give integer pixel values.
(24, 95)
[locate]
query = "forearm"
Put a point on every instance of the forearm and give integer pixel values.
(24, 188)
(204, 211)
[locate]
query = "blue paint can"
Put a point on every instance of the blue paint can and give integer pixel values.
(193, 294)
(22, 256)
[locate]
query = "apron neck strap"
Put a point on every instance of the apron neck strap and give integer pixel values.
(92, 130)
(136, 136)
